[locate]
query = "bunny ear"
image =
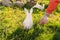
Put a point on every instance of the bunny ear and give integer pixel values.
(31, 10)
(37, 3)
(26, 11)
(43, 5)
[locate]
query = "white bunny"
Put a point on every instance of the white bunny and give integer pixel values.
(39, 6)
(28, 22)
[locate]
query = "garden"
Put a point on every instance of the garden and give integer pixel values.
(11, 24)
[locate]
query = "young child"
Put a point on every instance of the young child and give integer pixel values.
(51, 7)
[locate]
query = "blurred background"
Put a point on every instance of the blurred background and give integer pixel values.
(11, 23)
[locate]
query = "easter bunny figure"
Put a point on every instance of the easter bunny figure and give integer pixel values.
(28, 22)
(39, 6)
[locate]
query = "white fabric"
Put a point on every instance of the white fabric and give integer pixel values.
(39, 6)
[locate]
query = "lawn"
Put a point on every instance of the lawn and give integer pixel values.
(11, 24)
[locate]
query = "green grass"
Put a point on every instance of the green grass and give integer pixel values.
(11, 25)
